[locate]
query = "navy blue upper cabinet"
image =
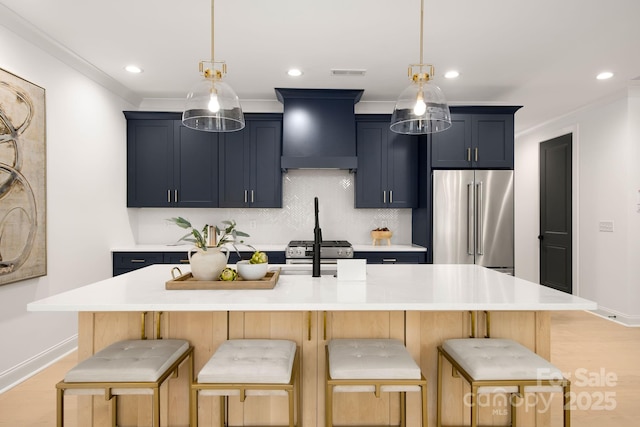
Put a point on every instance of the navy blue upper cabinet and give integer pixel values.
(169, 164)
(479, 137)
(249, 164)
(387, 175)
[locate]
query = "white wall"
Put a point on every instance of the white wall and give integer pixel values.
(86, 198)
(606, 184)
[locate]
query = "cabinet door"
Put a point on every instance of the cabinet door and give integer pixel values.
(233, 171)
(124, 262)
(402, 170)
(392, 257)
(452, 148)
(196, 171)
(492, 141)
(150, 164)
(265, 190)
(371, 176)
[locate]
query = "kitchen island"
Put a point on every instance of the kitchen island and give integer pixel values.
(419, 304)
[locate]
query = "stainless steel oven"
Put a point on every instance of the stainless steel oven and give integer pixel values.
(301, 251)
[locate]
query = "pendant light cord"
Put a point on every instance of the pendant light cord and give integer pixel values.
(212, 26)
(421, 33)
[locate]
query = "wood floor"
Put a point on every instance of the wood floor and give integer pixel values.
(600, 356)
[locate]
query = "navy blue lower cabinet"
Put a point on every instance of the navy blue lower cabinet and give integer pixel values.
(392, 257)
(124, 262)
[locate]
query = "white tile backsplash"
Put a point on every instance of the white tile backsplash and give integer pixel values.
(295, 221)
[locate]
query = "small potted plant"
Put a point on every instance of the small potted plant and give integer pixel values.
(209, 260)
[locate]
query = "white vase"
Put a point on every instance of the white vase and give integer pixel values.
(207, 265)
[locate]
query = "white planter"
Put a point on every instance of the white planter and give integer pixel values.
(207, 265)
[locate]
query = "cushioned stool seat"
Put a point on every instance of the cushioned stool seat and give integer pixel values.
(372, 365)
(492, 365)
(248, 367)
(126, 367)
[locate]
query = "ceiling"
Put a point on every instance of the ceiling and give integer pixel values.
(543, 55)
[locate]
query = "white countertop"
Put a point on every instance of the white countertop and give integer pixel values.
(266, 248)
(410, 287)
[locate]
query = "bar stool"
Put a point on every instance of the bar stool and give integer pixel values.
(372, 365)
(126, 367)
(248, 367)
(492, 365)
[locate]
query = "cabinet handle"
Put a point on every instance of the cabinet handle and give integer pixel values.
(184, 261)
(175, 196)
(391, 196)
(308, 326)
(158, 324)
(143, 325)
(468, 154)
(251, 196)
(168, 196)
(324, 325)
(384, 196)
(245, 196)
(138, 261)
(476, 154)
(389, 260)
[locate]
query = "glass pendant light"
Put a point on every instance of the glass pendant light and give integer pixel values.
(421, 108)
(212, 105)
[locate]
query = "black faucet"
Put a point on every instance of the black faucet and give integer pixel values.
(317, 244)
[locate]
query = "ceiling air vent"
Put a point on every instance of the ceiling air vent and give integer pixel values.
(348, 72)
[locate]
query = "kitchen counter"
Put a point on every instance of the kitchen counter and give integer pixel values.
(415, 287)
(267, 248)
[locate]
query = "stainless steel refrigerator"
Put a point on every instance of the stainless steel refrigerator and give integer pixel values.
(473, 218)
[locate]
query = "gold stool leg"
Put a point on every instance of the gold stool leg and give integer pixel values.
(60, 407)
(514, 412)
(566, 401)
(156, 407)
(114, 411)
(474, 406)
(403, 409)
(193, 407)
(439, 392)
(290, 396)
(328, 404)
(425, 414)
(223, 409)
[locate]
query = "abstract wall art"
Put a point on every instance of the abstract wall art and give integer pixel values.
(23, 249)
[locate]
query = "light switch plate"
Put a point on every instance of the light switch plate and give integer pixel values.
(606, 226)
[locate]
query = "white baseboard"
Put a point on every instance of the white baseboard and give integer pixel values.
(617, 317)
(21, 372)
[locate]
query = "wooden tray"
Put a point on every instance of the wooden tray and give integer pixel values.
(186, 281)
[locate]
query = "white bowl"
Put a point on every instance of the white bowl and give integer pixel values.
(249, 271)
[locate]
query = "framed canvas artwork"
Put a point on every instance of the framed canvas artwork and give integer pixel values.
(23, 251)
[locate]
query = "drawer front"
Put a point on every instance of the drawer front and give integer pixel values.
(124, 262)
(392, 257)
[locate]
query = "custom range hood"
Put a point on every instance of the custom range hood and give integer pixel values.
(318, 128)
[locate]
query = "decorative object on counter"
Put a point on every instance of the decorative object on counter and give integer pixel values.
(381, 234)
(249, 271)
(208, 262)
(254, 268)
(421, 108)
(188, 282)
(212, 105)
(228, 274)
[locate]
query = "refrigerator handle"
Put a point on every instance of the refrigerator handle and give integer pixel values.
(479, 219)
(470, 219)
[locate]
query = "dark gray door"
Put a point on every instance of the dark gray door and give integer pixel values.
(555, 213)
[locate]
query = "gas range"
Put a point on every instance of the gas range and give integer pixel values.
(301, 251)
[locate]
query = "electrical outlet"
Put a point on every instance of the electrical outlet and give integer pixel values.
(606, 226)
(252, 225)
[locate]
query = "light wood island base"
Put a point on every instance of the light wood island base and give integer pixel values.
(422, 332)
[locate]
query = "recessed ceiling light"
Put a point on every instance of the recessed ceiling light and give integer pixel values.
(294, 72)
(604, 75)
(133, 69)
(451, 74)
